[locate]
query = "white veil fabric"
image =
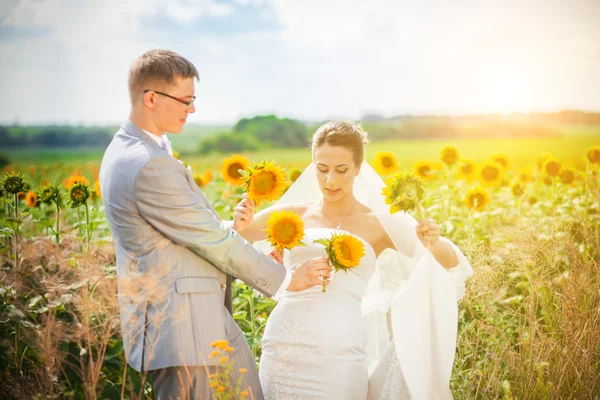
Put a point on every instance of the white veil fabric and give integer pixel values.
(410, 305)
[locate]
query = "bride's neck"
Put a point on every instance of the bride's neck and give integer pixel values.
(339, 208)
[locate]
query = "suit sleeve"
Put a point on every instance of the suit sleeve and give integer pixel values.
(165, 199)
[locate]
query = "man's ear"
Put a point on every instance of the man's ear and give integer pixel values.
(149, 99)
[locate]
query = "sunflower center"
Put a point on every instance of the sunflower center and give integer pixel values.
(424, 170)
(345, 250)
(490, 173)
(387, 162)
(285, 232)
(264, 182)
(467, 169)
(552, 168)
(233, 170)
(477, 200)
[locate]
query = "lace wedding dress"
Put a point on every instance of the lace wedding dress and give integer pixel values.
(314, 346)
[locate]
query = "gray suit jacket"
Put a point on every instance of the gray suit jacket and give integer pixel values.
(173, 253)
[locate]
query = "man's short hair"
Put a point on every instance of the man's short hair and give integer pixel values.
(157, 67)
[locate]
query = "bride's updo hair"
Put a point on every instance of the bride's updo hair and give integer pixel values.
(344, 134)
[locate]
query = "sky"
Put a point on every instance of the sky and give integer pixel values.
(66, 61)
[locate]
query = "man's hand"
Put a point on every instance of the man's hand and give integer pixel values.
(243, 214)
(313, 272)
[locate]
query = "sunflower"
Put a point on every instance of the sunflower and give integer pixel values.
(31, 199)
(73, 179)
(385, 163)
(449, 155)
(552, 167)
(501, 159)
(593, 155)
(295, 174)
(199, 179)
(264, 181)
(207, 176)
(541, 160)
(285, 230)
(97, 189)
(219, 344)
(567, 176)
(403, 192)
(426, 170)
(491, 174)
(517, 189)
(231, 167)
(532, 200)
(343, 252)
(13, 183)
(79, 194)
(525, 175)
(477, 199)
(467, 170)
(176, 155)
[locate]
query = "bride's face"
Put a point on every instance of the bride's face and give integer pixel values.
(336, 171)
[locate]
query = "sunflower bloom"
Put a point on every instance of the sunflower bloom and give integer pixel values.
(243, 370)
(467, 170)
(224, 359)
(207, 176)
(449, 155)
(199, 179)
(264, 182)
(385, 163)
(517, 189)
(552, 167)
(593, 155)
(477, 199)
(214, 354)
(221, 389)
(501, 159)
(567, 176)
(285, 230)
(525, 175)
(219, 344)
(244, 393)
(31, 199)
(343, 251)
(97, 191)
(73, 179)
(541, 160)
(404, 192)
(426, 170)
(230, 169)
(295, 174)
(491, 174)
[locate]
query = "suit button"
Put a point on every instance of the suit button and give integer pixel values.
(223, 286)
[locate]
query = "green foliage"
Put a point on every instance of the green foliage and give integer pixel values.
(259, 132)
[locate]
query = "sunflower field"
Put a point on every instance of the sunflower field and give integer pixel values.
(529, 222)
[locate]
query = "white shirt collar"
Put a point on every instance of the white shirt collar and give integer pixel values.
(160, 140)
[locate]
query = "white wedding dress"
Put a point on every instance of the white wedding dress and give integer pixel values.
(385, 330)
(314, 346)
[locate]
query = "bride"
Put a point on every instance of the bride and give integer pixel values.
(385, 329)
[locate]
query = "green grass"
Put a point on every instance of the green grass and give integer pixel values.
(570, 148)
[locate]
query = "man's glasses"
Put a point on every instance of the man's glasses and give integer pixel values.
(186, 102)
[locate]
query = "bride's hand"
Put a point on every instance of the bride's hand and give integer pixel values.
(428, 232)
(243, 214)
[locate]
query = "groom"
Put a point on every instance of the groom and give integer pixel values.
(174, 254)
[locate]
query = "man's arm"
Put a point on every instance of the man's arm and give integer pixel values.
(165, 200)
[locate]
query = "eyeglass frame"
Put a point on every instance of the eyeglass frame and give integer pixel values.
(187, 103)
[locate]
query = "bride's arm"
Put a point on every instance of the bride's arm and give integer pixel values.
(404, 234)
